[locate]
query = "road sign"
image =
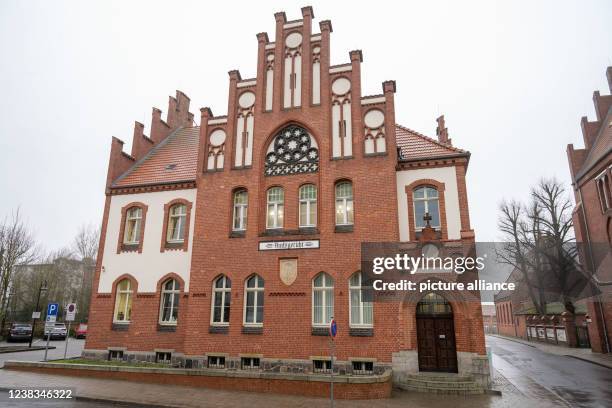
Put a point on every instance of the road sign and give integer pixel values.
(35, 315)
(333, 328)
(52, 309)
(70, 312)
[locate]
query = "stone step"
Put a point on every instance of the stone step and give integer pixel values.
(441, 384)
(440, 390)
(441, 377)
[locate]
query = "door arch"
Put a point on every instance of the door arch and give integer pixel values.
(436, 334)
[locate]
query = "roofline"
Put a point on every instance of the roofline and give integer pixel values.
(146, 156)
(452, 156)
(583, 171)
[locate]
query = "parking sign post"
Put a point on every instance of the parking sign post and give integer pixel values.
(52, 309)
(70, 314)
(333, 329)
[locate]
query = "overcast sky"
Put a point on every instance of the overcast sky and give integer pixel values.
(512, 78)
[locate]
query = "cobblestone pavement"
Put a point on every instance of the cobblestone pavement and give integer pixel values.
(178, 396)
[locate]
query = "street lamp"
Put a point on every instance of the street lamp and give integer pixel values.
(43, 288)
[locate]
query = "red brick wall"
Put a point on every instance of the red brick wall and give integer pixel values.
(305, 388)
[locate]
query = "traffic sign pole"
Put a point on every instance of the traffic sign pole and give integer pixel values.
(70, 313)
(67, 337)
(333, 329)
(52, 309)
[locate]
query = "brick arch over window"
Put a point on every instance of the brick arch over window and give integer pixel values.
(442, 206)
(131, 278)
(121, 247)
(180, 246)
(166, 278)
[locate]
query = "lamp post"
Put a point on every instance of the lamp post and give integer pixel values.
(42, 288)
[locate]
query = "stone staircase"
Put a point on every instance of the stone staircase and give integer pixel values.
(441, 383)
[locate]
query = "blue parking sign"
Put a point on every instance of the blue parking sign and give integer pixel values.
(52, 310)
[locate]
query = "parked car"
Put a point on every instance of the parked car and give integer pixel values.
(81, 331)
(20, 332)
(58, 331)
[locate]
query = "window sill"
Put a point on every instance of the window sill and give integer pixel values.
(120, 326)
(176, 245)
(130, 247)
(319, 331)
(237, 234)
(218, 329)
(344, 228)
(282, 232)
(380, 154)
(361, 331)
(252, 329)
(166, 327)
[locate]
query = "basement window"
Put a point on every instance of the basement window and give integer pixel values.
(321, 366)
(163, 357)
(115, 355)
(216, 362)
(250, 363)
(363, 367)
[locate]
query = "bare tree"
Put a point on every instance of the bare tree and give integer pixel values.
(16, 247)
(85, 244)
(540, 246)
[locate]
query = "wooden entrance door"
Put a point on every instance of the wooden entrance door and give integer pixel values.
(436, 335)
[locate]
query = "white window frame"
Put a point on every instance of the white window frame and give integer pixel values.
(324, 298)
(223, 292)
(175, 291)
(275, 205)
(182, 220)
(128, 292)
(343, 201)
(426, 200)
(240, 211)
(309, 202)
(358, 288)
(137, 219)
(254, 290)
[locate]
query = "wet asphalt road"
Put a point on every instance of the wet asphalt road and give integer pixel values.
(564, 380)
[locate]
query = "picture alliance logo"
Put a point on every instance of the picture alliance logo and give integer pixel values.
(414, 264)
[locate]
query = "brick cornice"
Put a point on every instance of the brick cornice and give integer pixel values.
(150, 188)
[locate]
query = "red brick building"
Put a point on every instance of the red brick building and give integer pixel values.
(232, 244)
(591, 171)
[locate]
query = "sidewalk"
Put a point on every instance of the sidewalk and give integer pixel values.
(153, 395)
(604, 360)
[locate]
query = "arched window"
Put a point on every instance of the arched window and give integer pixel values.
(292, 151)
(123, 302)
(322, 299)
(177, 218)
(222, 296)
(254, 301)
(276, 204)
(308, 206)
(344, 203)
(241, 204)
(168, 313)
(133, 221)
(432, 303)
(360, 302)
(426, 202)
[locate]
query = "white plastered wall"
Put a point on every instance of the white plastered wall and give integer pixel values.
(150, 265)
(446, 175)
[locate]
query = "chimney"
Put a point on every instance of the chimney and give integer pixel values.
(442, 132)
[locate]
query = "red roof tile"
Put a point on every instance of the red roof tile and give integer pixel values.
(414, 145)
(173, 160)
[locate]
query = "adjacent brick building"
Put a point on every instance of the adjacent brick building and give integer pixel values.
(591, 171)
(233, 243)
